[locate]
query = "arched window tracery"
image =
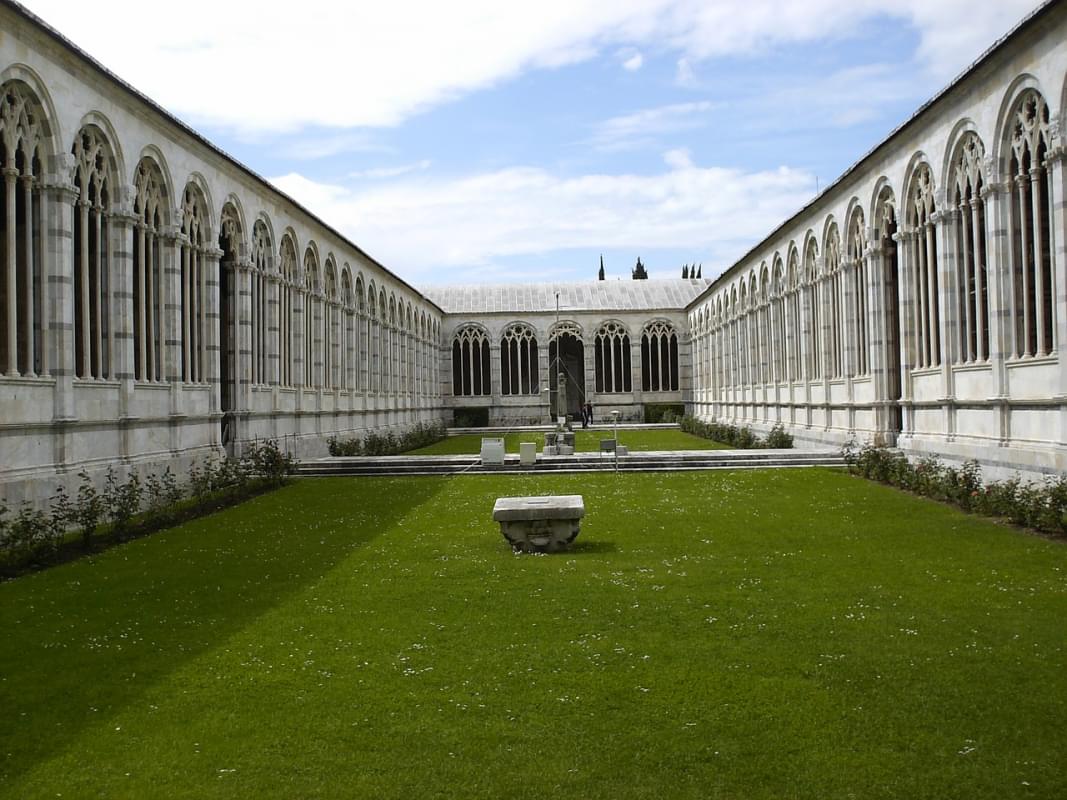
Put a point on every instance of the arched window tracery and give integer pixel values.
(518, 360)
(289, 301)
(834, 295)
(1033, 331)
(778, 340)
(328, 324)
(972, 284)
(659, 357)
(470, 362)
(312, 365)
(148, 207)
(22, 350)
(922, 232)
(373, 341)
(793, 303)
(347, 359)
(194, 287)
(859, 324)
(611, 352)
(813, 317)
(94, 337)
(262, 255)
(362, 335)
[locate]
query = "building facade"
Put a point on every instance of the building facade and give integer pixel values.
(619, 345)
(159, 301)
(920, 299)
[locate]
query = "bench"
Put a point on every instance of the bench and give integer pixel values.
(539, 524)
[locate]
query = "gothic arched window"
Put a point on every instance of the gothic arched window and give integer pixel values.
(611, 349)
(924, 278)
(518, 360)
(659, 357)
(93, 334)
(194, 291)
(1031, 228)
(470, 362)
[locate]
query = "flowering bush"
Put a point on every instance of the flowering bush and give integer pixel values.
(1042, 506)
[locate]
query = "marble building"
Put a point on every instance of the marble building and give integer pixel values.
(160, 301)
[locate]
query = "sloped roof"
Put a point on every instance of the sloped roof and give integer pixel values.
(529, 298)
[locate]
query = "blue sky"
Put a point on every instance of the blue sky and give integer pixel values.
(488, 141)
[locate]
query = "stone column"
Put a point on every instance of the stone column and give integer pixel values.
(947, 267)
(906, 310)
(212, 301)
(1057, 180)
(122, 230)
(58, 196)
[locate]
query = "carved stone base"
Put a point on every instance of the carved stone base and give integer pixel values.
(539, 524)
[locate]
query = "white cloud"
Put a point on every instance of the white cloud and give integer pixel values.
(684, 75)
(644, 126)
(633, 63)
(679, 158)
(441, 231)
(271, 66)
(391, 172)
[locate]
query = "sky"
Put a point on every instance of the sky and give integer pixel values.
(497, 141)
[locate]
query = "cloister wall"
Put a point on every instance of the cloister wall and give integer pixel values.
(921, 299)
(120, 352)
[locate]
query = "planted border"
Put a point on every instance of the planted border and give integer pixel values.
(96, 518)
(740, 437)
(388, 444)
(1038, 505)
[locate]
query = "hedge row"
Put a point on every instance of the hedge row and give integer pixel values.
(1042, 506)
(741, 438)
(388, 444)
(124, 509)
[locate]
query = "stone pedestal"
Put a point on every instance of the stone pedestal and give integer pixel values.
(539, 524)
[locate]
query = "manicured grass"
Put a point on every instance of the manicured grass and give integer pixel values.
(751, 634)
(584, 441)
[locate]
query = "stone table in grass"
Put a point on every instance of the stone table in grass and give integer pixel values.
(539, 524)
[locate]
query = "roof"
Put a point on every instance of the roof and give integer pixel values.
(528, 298)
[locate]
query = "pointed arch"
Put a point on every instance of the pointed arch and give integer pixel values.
(611, 358)
(95, 180)
(1025, 142)
(26, 147)
(195, 250)
(923, 247)
(966, 182)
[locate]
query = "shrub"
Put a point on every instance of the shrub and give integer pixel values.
(740, 437)
(265, 460)
(27, 535)
(388, 444)
(664, 412)
(778, 439)
(120, 501)
(1042, 506)
(88, 509)
(471, 417)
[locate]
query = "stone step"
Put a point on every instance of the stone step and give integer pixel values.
(581, 462)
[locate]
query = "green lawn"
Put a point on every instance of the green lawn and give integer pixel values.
(584, 440)
(750, 634)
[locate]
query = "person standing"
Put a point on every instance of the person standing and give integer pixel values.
(587, 412)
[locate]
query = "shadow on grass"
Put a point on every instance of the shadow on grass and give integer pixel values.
(86, 639)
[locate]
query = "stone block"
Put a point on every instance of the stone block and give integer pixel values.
(539, 524)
